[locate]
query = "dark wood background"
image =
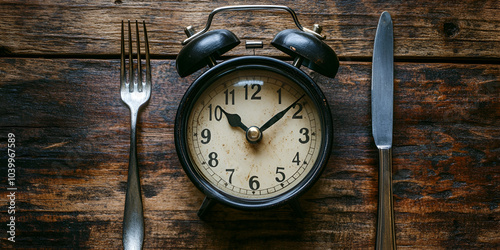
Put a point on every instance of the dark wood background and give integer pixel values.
(59, 95)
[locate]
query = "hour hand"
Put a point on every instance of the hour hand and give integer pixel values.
(234, 120)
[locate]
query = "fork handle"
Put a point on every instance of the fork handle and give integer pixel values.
(133, 219)
(386, 237)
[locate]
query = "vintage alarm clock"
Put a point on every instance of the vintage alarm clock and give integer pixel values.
(254, 132)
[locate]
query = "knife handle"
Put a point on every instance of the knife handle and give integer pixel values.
(386, 236)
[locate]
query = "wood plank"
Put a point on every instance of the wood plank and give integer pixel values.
(72, 135)
(448, 30)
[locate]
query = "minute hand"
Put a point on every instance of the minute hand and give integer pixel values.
(278, 116)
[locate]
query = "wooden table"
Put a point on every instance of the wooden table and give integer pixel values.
(59, 97)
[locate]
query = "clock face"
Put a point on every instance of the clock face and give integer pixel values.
(285, 151)
(250, 134)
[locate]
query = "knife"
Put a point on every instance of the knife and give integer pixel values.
(382, 112)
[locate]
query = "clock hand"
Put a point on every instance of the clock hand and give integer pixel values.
(278, 116)
(234, 120)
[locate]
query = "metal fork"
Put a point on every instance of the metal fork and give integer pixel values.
(135, 92)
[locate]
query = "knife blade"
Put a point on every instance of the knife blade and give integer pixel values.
(382, 91)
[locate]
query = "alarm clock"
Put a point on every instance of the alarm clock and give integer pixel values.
(254, 132)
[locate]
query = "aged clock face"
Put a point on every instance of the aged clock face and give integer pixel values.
(241, 167)
(254, 133)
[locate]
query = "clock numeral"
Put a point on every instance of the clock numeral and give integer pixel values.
(227, 93)
(217, 113)
(297, 115)
(279, 171)
(212, 160)
(230, 175)
(254, 183)
(254, 96)
(205, 134)
(304, 132)
(296, 159)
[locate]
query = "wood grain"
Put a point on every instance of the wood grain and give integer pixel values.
(450, 30)
(72, 154)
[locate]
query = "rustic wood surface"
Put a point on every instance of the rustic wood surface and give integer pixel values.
(427, 28)
(59, 95)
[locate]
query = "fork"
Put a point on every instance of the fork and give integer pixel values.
(135, 92)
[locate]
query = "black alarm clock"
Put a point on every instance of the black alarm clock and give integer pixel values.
(254, 132)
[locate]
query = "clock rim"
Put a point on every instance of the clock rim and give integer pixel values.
(252, 62)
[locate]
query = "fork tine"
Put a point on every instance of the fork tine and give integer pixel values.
(148, 66)
(130, 60)
(122, 60)
(139, 65)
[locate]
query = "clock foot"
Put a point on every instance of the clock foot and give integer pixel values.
(297, 209)
(207, 204)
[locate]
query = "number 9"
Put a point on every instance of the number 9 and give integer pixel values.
(205, 134)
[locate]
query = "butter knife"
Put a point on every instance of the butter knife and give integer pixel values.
(382, 113)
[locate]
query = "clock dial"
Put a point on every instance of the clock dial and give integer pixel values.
(253, 134)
